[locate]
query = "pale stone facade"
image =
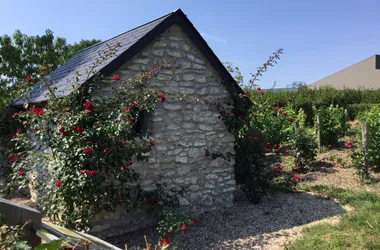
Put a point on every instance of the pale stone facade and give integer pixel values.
(184, 130)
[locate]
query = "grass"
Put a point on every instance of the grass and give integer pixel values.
(359, 229)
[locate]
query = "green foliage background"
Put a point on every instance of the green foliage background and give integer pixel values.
(29, 56)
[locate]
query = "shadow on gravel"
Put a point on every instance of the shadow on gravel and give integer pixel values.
(242, 226)
(323, 167)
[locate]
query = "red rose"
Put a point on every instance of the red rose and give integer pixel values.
(132, 104)
(239, 94)
(91, 141)
(222, 113)
(246, 95)
(276, 147)
(78, 130)
(170, 234)
(13, 158)
(297, 178)
(64, 133)
(37, 111)
(184, 227)
(18, 131)
(152, 143)
(130, 121)
(193, 221)
(151, 202)
(258, 89)
(262, 92)
(92, 172)
(88, 150)
(115, 77)
(126, 110)
(28, 79)
(106, 150)
(88, 106)
(83, 171)
(285, 114)
(21, 173)
(164, 242)
(348, 144)
(290, 120)
(16, 114)
(58, 183)
(147, 160)
(275, 170)
(162, 98)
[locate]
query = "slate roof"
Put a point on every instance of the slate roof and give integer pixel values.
(132, 42)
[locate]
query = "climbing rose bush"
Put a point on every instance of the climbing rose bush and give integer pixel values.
(78, 150)
(259, 128)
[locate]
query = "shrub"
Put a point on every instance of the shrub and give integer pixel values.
(333, 124)
(356, 110)
(305, 148)
(259, 128)
(252, 170)
(306, 97)
(301, 118)
(372, 118)
(274, 122)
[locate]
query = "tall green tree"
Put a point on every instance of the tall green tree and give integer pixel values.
(31, 56)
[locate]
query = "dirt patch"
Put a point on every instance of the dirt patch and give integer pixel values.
(331, 173)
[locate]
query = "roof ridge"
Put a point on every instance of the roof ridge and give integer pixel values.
(129, 30)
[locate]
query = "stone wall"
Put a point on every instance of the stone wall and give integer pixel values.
(183, 130)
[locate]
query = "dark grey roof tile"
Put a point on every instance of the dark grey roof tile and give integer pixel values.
(63, 77)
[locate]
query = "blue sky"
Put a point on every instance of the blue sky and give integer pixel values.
(319, 37)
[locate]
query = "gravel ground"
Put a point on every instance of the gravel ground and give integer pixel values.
(326, 172)
(276, 221)
(268, 225)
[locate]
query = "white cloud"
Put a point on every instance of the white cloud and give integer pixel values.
(210, 37)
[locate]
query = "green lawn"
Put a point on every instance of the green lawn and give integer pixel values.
(360, 229)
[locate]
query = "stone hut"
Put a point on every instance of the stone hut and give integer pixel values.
(182, 131)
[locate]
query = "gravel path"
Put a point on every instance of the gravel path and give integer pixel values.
(268, 225)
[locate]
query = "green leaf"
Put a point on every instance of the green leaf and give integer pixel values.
(52, 245)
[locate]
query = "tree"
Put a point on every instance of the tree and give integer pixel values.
(31, 56)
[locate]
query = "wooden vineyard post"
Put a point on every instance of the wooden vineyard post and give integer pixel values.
(365, 150)
(346, 114)
(319, 134)
(297, 127)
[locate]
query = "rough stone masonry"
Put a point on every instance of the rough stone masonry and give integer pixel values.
(183, 130)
